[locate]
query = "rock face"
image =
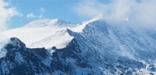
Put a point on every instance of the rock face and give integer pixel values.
(20, 60)
(100, 49)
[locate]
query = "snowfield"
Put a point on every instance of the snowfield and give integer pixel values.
(38, 34)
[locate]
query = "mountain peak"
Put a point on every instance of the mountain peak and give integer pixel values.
(47, 22)
(83, 25)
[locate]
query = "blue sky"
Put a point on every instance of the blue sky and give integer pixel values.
(20, 12)
(61, 9)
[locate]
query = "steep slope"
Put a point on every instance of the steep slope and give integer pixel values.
(117, 49)
(122, 40)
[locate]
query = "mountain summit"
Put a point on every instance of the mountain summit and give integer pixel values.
(42, 33)
(47, 22)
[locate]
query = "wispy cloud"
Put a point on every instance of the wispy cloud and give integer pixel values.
(140, 12)
(33, 15)
(6, 13)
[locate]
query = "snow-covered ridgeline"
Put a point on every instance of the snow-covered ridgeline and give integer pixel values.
(45, 33)
(41, 33)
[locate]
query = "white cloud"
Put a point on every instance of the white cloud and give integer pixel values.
(33, 15)
(141, 12)
(6, 13)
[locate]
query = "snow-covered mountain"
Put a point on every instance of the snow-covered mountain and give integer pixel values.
(94, 47)
(41, 33)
